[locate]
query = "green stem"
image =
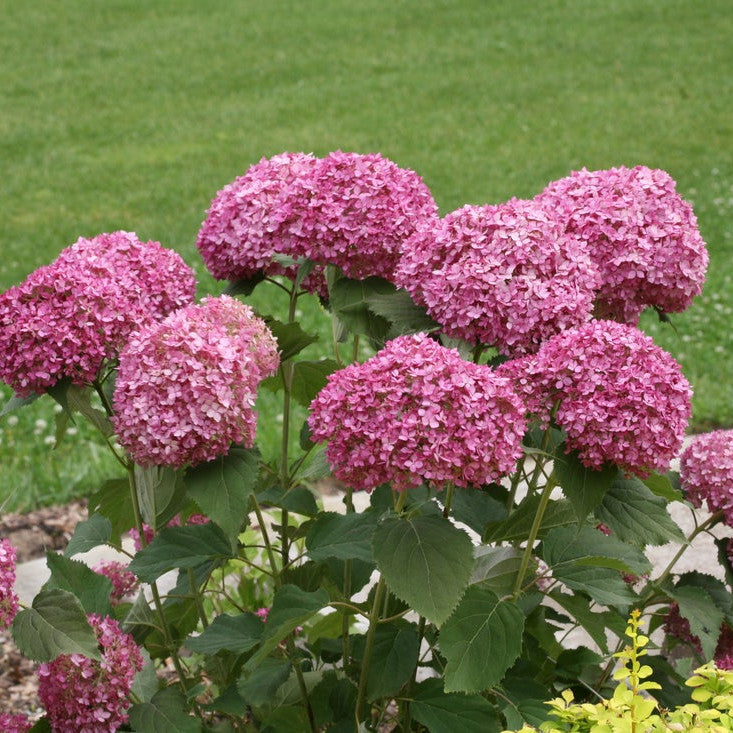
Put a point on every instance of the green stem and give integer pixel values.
(533, 532)
(345, 646)
(516, 478)
(449, 489)
(368, 646)
(266, 540)
(411, 683)
(197, 598)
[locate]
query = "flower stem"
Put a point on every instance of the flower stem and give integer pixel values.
(368, 646)
(449, 489)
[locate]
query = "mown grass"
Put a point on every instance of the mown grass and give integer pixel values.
(132, 115)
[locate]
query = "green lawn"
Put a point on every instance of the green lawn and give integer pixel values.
(130, 115)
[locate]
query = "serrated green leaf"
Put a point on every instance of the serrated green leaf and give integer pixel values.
(635, 514)
(582, 486)
(166, 712)
(78, 399)
(526, 700)
(594, 623)
(181, 547)
(402, 312)
(158, 489)
(516, 527)
(88, 534)
(576, 557)
(344, 536)
(393, 660)
(92, 589)
(258, 685)
(314, 468)
(698, 607)
(140, 619)
(447, 712)
(477, 507)
(497, 568)
(662, 485)
(480, 641)
(349, 300)
(114, 501)
(236, 634)
(309, 378)
(15, 403)
(426, 561)
(243, 286)
(56, 624)
(286, 719)
(222, 488)
(41, 726)
(299, 499)
(146, 682)
(291, 338)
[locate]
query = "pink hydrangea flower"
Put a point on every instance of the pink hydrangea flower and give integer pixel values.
(706, 472)
(417, 411)
(186, 386)
(641, 233)
(263, 613)
(68, 317)
(10, 723)
(620, 397)
(362, 210)
(8, 597)
(508, 276)
(257, 216)
(124, 581)
(82, 695)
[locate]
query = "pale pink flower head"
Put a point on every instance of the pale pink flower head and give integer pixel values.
(642, 235)
(620, 398)
(706, 472)
(416, 412)
(363, 208)
(67, 318)
(10, 723)
(257, 216)
(82, 695)
(508, 276)
(124, 581)
(8, 596)
(186, 386)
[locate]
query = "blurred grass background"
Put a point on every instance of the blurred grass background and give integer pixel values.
(126, 115)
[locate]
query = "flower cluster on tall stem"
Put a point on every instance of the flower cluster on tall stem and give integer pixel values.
(8, 596)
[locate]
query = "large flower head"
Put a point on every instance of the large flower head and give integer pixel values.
(620, 398)
(10, 723)
(8, 597)
(362, 210)
(187, 385)
(415, 412)
(82, 695)
(68, 317)
(257, 216)
(641, 233)
(706, 472)
(508, 276)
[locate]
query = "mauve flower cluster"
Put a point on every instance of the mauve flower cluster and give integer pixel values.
(82, 695)
(641, 233)
(10, 723)
(124, 581)
(620, 397)
(186, 386)
(706, 472)
(363, 208)
(508, 276)
(258, 215)
(679, 627)
(8, 597)
(68, 317)
(417, 411)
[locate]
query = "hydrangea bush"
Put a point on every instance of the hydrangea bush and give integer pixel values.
(501, 438)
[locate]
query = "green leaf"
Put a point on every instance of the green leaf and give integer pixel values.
(309, 378)
(181, 547)
(393, 660)
(113, 501)
(140, 619)
(78, 399)
(286, 719)
(448, 712)
(166, 712)
(526, 701)
(92, 589)
(236, 634)
(41, 726)
(402, 312)
(477, 507)
(291, 607)
(497, 568)
(594, 623)
(480, 641)
(56, 624)
(344, 536)
(349, 300)
(90, 533)
(635, 514)
(663, 485)
(583, 486)
(314, 468)
(222, 488)
(291, 338)
(15, 403)
(580, 558)
(260, 684)
(516, 527)
(146, 683)
(698, 607)
(158, 488)
(426, 561)
(244, 286)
